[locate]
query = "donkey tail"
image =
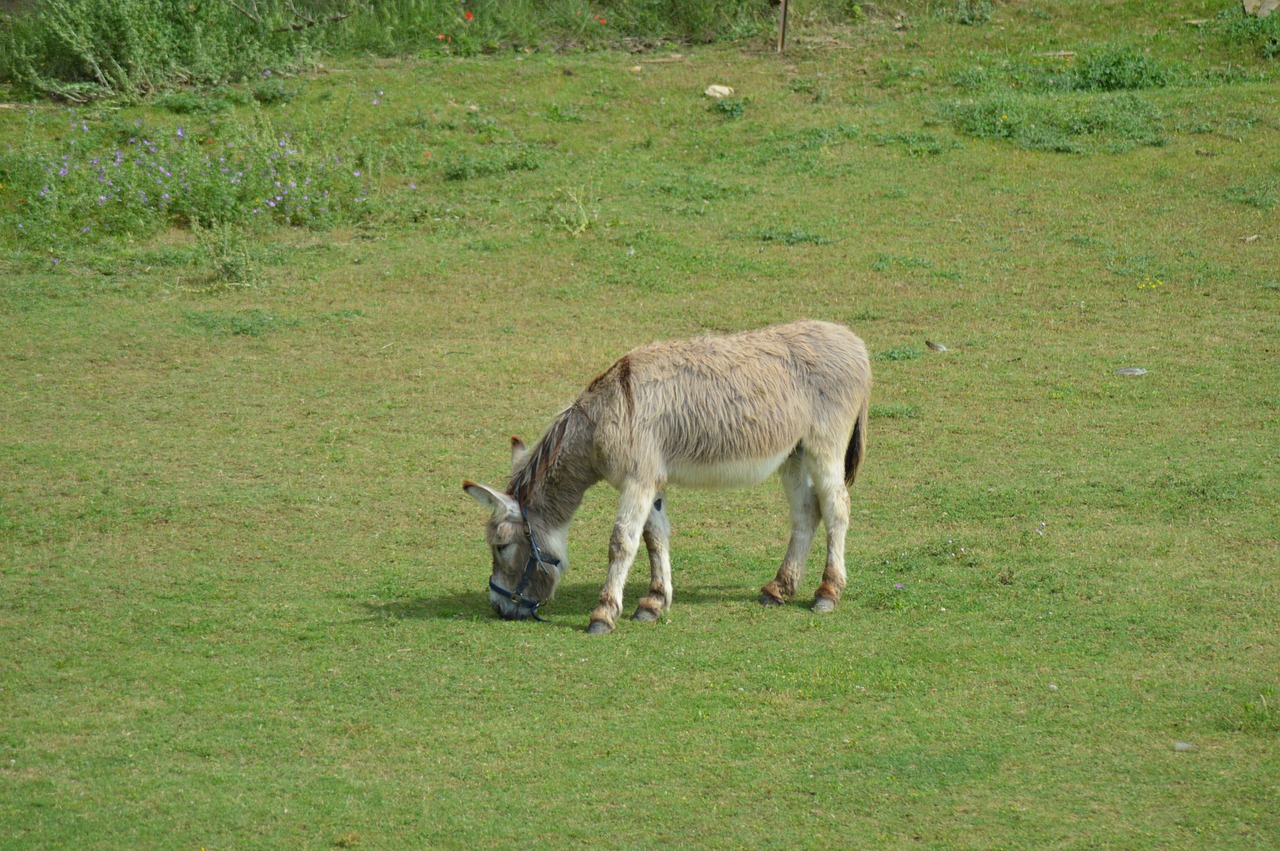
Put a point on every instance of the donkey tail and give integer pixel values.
(857, 446)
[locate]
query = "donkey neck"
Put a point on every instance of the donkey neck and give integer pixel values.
(552, 504)
(558, 472)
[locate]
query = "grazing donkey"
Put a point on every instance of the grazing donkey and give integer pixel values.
(707, 412)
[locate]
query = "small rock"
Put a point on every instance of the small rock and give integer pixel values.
(1260, 8)
(937, 347)
(1131, 370)
(1184, 747)
(718, 92)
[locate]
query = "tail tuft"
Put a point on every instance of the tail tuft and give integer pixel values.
(857, 447)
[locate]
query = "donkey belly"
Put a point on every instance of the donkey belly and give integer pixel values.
(737, 473)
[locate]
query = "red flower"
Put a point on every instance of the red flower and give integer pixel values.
(600, 20)
(468, 16)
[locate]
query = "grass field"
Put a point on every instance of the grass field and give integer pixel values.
(242, 595)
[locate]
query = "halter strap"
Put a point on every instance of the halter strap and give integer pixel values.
(536, 560)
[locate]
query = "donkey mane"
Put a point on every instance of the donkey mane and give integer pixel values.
(526, 481)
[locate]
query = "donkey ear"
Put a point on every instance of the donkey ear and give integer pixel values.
(519, 453)
(495, 501)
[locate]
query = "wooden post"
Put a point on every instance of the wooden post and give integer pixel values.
(782, 26)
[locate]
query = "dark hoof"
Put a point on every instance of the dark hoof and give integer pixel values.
(770, 600)
(646, 615)
(824, 604)
(599, 628)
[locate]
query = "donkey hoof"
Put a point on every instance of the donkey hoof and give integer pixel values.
(824, 604)
(767, 599)
(646, 615)
(600, 628)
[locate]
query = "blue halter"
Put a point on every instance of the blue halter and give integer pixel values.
(536, 560)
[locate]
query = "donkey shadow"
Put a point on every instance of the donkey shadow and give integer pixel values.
(572, 600)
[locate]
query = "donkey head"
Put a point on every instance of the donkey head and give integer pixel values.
(524, 576)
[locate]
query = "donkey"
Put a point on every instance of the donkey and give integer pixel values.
(702, 413)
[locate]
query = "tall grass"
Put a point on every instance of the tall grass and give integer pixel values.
(134, 178)
(409, 26)
(1261, 34)
(78, 50)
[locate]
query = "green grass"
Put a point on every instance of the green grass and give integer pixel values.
(242, 594)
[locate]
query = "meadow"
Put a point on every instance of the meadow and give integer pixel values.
(257, 332)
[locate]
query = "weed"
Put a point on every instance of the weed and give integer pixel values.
(1262, 194)
(729, 108)
(1115, 69)
(272, 91)
(966, 12)
(895, 412)
(569, 211)
(189, 103)
(228, 253)
(1258, 715)
(563, 113)
(902, 353)
(894, 72)
(1107, 122)
(1261, 34)
(1107, 68)
(792, 237)
(783, 143)
(885, 262)
(135, 178)
(695, 187)
(251, 323)
(817, 92)
(916, 143)
(469, 166)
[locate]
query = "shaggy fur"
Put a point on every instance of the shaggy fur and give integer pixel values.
(707, 412)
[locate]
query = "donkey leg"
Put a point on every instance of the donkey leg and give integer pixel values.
(657, 538)
(805, 515)
(833, 497)
(633, 510)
